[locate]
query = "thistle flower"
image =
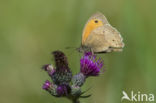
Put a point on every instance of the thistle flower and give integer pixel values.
(63, 75)
(49, 68)
(50, 87)
(63, 90)
(90, 65)
(60, 61)
(46, 85)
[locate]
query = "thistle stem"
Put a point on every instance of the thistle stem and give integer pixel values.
(76, 101)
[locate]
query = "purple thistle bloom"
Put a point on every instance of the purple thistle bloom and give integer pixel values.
(63, 90)
(90, 65)
(64, 84)
(49, 68)
(46, 85)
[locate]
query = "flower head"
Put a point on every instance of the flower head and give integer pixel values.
(64, 84)
(90, 65)
(49, 68)
(78, 79)
(63, 75)
(63, 90)
(46, 85)
(60, 61)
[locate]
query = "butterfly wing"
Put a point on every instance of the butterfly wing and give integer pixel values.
(90, 25)
(104, 39)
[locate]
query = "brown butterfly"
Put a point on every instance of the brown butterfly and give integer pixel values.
(99, 36)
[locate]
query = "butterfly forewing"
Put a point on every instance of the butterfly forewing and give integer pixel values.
(100, 36)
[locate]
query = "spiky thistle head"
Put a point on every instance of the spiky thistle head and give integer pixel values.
(90, 65)
(63, 74)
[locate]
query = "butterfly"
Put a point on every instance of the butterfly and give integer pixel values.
(99, 36)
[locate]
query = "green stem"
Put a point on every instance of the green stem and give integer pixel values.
(76, 101)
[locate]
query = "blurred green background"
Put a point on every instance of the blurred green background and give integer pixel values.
(31, 29)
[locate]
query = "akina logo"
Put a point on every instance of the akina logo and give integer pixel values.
(137, 97)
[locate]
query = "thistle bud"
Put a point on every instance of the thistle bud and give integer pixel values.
(63, 90)
(78, 79)
(75, 90)
(50, 87)
(63, 74)
(49, 68)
